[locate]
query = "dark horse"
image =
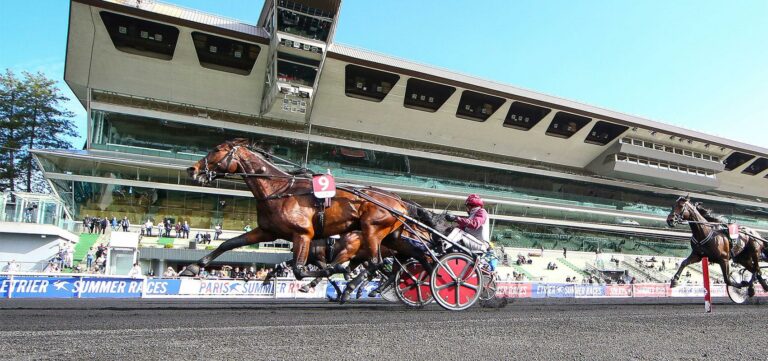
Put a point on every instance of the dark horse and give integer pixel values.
(287, 209)
(711, 241)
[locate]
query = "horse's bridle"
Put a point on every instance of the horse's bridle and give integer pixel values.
(677, 218)
(233, 157)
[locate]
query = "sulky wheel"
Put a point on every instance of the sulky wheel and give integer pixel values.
(456, 282)
(739, 295)
(412, 284)
(488, 292)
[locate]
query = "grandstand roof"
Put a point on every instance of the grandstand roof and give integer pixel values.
(385, 62)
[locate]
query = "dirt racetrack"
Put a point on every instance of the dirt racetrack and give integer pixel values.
(258, 330)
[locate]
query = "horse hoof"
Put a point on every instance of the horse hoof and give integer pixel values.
(751, 292)
(191, 271)
(344, 298)
(673, 284)
(304, 289)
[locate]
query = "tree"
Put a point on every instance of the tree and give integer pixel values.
(33, 117)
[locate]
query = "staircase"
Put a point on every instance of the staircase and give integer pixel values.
(573, 267)
(651, 277)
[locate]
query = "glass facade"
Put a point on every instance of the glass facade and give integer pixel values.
(132, 134)
(201, 210)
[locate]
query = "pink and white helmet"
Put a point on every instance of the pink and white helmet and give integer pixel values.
(474, 201)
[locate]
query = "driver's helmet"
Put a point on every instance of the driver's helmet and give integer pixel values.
(474, 201)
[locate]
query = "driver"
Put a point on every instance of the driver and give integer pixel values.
(476, 223)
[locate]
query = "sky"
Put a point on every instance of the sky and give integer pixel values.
(696, 64)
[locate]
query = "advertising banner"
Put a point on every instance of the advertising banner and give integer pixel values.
(718, 290)
(514, 290)
(162, 287)
(618, 291)
(330, 292)
(92, 287)
(554, 290)
(687, 291)
(38, 287)
(650, 290)
(589, 290)
(252, 289)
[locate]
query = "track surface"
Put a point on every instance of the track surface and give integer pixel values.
(245, 329)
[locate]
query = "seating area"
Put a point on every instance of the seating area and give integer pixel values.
(602, 268)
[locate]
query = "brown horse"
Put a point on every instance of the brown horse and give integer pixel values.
(404, 244)
(709, 240)
(287, 209)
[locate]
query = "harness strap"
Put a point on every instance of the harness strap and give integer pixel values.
(705, 240)
(329, 243)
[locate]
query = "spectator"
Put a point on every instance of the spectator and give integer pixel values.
(198, 238)
(207, 238)
(169, 273)
(104, 225)
(70, 257)
(167, 227)
(126, 223)
(203, 273)
(135, 271)
(148, 227)
(12, 267)
(185, 229)
(217, 231)
(92, 224)
(177, 229)
(160, 228)
(101, 262)
(114, 224)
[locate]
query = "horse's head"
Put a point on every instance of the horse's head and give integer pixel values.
(225, 158)
(682, 210)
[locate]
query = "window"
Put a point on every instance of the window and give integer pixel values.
(736, 159)
(697, 155)
(603, 133)
(140, 37)
(218, 53)
(621, 157)
(678, 151)
(637, 142)
(426, 96)
(706, 157)
(669, 149)
(524, 116)
(296, 70)
(688, 153)
(658, 147)
(297, 23)
(625, 141)
(564, 125)
(756, 167)
(368, 84)
(477, 106)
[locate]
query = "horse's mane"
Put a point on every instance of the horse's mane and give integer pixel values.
(707, 214)
(421, 214)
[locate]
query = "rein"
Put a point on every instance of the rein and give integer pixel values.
(678, 218)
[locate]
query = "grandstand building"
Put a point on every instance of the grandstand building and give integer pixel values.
(163, 84)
